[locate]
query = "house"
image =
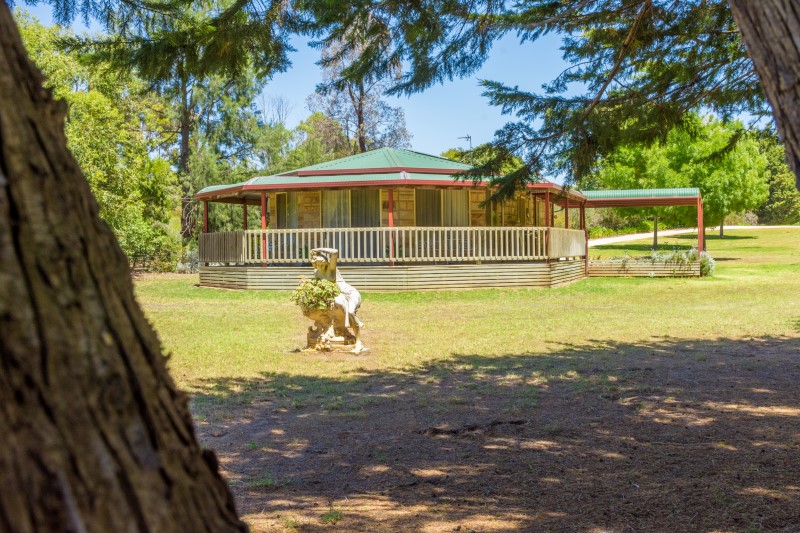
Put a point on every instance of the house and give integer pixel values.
(401, 221)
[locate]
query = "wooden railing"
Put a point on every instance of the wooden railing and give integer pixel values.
(567, 242)
(392, 245)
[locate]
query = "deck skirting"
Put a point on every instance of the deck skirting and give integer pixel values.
(402, 277)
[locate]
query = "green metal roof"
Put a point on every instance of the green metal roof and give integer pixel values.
(385, 158)
(343, 179)
(641, 193)
(349, 178)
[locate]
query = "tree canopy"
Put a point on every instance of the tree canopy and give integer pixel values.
(731, 175)
(112, 128)
(638, 67)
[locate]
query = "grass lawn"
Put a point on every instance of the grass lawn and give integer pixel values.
(605, 405)
(216, 333)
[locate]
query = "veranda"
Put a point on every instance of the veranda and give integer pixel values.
(401, 222)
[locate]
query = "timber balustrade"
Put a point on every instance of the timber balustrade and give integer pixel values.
(392, 245)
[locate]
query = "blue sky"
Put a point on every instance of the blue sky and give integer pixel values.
(438, 116)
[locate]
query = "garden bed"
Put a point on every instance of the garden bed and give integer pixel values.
(655, 265)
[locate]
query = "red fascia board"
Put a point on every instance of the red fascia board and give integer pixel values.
(377, 170)
(662, 201)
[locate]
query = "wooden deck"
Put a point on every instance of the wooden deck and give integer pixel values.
(402, 277)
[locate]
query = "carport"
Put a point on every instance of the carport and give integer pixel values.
(651, 198)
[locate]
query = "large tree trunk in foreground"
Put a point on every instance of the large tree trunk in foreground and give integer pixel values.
(95, 435)
(771, 30)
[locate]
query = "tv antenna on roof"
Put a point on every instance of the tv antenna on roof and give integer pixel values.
(469, 138)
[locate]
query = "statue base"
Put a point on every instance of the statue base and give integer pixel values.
(325, 342)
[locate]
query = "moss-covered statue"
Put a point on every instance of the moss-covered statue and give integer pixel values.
(331, 303)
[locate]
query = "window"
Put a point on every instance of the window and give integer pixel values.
(336, 209)
(456, 207)
(428, 207)
(286, 210)
(365, 209)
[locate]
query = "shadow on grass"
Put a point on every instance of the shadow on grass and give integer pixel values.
(701, 435)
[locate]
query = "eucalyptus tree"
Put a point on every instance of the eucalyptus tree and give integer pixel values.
(367, 120)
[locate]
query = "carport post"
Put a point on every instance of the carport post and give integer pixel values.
(701, 229)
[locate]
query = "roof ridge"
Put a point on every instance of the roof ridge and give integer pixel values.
(390, 156)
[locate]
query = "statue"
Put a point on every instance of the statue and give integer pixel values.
(334, 324)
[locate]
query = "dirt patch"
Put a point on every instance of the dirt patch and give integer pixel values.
(665, 436)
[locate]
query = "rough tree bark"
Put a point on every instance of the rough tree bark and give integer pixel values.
(771, 30)
(95, 435)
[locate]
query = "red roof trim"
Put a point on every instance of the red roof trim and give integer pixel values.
(234, 190)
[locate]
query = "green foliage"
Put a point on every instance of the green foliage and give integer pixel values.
(110, 129)
(725, 164)
(637, 68)
(783, 204)
(331, 516)
(315, 294)
(317, 139)
(207, 61)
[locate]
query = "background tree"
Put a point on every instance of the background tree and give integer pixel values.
(113, 127)
(783, 204)
(319, 138)
(208, 59)
(368, 122)
(729, 171)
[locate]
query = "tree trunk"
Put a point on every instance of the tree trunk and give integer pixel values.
(187, 201)
(360, 121)
(770, 29)
(722, 228)
(655, 232)
(95, 435)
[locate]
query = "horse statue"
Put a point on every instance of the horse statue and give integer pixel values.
(334, 325)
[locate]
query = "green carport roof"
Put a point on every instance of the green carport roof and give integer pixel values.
(641, 193)
(642, 197)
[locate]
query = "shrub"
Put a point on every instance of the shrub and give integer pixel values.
(315, 294)
(189, 262)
